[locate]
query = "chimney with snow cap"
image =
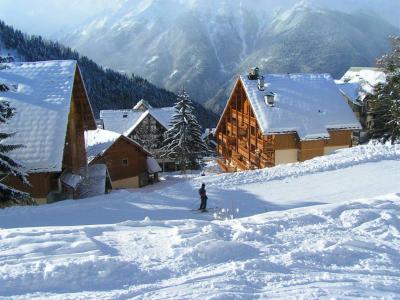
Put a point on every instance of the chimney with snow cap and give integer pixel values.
(261, 83)
(269, 98)
(254, 73)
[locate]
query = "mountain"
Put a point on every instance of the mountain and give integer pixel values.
(203, 44)
(309, 40)
(107, 89)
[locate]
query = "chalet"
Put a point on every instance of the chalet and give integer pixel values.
(143, 124)
(129, 165)
(282, 118)
(52, 112)
(356, 86)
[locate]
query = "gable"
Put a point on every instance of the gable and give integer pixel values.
(41, 94)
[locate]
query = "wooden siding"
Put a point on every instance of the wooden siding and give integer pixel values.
(241, 144)
(80, 118)
(121, 150)
(40, 184)
(340, 138)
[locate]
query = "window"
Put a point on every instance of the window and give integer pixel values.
(125, 162)
(125, 116)
(252, 130)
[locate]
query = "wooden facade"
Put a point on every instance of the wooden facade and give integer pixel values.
(46, 187)
(126, 162)
(243, 146)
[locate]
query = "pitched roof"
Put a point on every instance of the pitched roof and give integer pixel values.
(308, 104)
(125, 121)
(152, 165)
(143, 103)
(350, 90)
(366, 78)
(99, 141)
(41, 94)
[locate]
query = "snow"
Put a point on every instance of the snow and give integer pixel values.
(351, 90)
(309, 104)
(366, 78)
(95, 183)
(163, 115)
(325, 228)
(98, 141)
(125, 121)
(41, 95)
(70, 179)
(119, 120)
(153, 166)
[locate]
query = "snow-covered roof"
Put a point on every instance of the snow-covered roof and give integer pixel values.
(99, 140)
(367, 78)
(350, 90)
(71, 180)
(152, 165)
(142, 103)
(41, 94)
(125, 121)
(308, 104)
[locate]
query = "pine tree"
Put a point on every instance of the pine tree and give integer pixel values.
(385, 104)
(8, 167)
(183, 141)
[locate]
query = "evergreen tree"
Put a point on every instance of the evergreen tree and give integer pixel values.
(107, 89)
(385, 104)
(183, 141)
(8, 167)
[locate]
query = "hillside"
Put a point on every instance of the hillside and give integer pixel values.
(205, 44)
(107, 89)
(322, 229)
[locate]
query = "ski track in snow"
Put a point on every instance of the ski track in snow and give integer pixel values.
(147, 244)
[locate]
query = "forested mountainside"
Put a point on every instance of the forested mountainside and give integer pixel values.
(107, 89)
(210, 42)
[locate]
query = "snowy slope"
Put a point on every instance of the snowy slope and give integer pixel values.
(325, 228)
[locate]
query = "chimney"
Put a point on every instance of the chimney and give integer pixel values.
(261, 83)
(269, 99)
(254, 73)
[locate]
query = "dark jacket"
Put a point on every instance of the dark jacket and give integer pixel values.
(202, 193)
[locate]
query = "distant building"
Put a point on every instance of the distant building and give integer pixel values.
(356, 85)
(209, 138)
(144, 124)
(282, 118)
(129, 165)
(52, 112)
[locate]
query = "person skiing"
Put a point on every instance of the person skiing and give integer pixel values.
(203, 198)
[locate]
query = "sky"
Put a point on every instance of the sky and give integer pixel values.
(48, 17)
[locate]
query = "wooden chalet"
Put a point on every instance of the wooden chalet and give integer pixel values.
(143, 124)
(356, 86)
(52, 112)
(129, 165)
(283, 118)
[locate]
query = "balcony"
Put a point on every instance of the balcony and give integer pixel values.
(242, 165)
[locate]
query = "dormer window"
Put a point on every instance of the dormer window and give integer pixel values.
(125, 115)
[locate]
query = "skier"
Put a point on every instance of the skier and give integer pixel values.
(203, 198)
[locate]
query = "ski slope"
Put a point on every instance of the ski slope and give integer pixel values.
(325, 228)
